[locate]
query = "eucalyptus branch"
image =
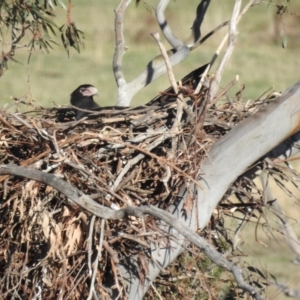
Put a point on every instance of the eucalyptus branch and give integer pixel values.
(123, 92)
(164, 26)
(196, 27)
(96, 209)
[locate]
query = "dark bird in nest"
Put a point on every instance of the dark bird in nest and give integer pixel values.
(82, 98)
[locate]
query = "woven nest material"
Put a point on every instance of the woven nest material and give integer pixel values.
(119, 157)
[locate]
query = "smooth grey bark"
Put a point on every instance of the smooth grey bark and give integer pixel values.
(243, 145)
(156, 67)
(229, 158)
(162, 256)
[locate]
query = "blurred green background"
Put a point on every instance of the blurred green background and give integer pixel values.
(258, 59)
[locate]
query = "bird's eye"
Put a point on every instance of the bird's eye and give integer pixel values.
(82, 90)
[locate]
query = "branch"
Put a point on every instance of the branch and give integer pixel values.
(120, 48)
(231, 36)
(196, 27)
(156, 67)
(85, 202)
(164, 26)
(250, 140)
(167, 62)
(231, 43)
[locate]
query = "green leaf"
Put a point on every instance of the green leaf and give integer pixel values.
(49, 21)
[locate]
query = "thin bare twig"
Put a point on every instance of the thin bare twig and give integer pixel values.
(231, 43)
(167, 61)
(85, 202)
(89, 245)
(96, 261)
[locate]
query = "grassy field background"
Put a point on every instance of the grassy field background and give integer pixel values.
(260, 62)
(258, 59)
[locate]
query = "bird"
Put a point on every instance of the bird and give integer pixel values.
(82, 98)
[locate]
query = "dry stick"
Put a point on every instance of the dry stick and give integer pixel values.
(87, 203)
(231, 43)
(156, 291)
(113, 254)
(8, 125)
(227, 88)
(231, 37)
(134, 160)
(120, 43)
(167, 61)
(173, 82)
(90, 243)
(98, 257)
(199, 86)
(159, 159)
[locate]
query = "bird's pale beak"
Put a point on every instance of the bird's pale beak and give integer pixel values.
(91, 91)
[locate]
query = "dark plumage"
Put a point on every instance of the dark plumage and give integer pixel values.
(82, 98)
(192, 79)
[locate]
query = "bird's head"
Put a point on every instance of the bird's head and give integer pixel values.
(84, 90)
(82, 98)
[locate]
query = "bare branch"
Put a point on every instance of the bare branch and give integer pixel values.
(120, 47)
(167, 61)
(96, 261)
(165, 216)
(196, 28)
(155, 69)
(231, 43)
(246, 143)
(164, 26)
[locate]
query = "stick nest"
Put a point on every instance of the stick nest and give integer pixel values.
(118, 157)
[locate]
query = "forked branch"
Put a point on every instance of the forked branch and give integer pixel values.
(155, 67)
(94, 208)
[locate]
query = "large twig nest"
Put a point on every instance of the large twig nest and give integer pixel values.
(119, 157)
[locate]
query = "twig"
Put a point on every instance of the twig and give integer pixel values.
(159, 159)
(113, 254)
(226, 89)
(96, 261)
(156, 291)
(199, 86)
(231, 43)
(167, 61)
(89, 244)
(106, 213)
